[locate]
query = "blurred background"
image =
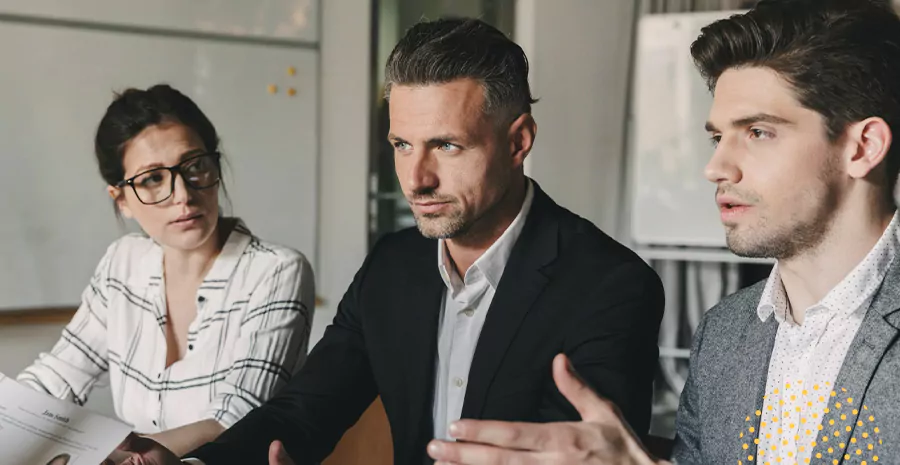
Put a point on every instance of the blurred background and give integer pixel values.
(294, 88)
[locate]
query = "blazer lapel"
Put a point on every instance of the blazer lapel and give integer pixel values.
(876, 335)
(421, 309)
(742, 382)
(524, 278)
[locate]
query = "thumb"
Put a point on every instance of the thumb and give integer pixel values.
(277, 454)
(589, 405)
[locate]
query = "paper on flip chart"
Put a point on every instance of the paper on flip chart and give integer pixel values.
(37, 429)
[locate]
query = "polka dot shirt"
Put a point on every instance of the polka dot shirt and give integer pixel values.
(807, 358)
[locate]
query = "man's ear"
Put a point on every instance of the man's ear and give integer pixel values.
(869, 143)
(521, 136)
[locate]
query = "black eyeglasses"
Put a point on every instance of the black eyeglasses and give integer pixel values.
(154, 186)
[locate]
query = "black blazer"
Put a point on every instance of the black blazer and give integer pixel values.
(567, 287)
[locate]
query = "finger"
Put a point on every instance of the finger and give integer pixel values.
(478, 454)
(508, 435)
(278, 455)
(589, 405)
(275, 453)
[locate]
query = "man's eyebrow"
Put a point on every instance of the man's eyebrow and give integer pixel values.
(752, 119)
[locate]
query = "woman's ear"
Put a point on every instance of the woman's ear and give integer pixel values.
(118, 196)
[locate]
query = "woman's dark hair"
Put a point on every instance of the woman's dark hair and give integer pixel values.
(841, 58)
(134, 110)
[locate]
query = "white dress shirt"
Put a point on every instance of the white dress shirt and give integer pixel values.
(465, 307)
(250, 335)
(807, 357)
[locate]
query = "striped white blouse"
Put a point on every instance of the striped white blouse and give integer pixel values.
(254, 312)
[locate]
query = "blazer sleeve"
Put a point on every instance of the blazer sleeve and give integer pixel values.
(687, 448)
(613, 345)
(317, 406)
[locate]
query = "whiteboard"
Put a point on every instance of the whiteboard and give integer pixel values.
(56, 219)
(281, 19)
(672, 204)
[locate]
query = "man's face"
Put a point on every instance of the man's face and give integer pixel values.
(778, 176)
(453, 161)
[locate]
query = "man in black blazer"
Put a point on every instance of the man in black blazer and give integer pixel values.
(463, 317)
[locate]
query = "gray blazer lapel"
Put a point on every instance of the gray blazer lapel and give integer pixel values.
(749, 374)
(742, 382)
(877, 333)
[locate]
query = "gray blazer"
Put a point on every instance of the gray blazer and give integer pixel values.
(727, 381)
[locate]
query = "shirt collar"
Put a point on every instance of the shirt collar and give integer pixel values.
(850, 294)
(774, 299)
(492, 262)
(227, 261)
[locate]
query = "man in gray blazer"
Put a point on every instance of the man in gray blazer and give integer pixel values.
(805, 366)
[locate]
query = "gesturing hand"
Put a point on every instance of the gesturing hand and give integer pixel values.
(601, 438)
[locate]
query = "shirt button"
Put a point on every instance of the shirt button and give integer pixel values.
(201, 299)
(469, 312)
(154, 423)
(458, 382)
(191, 347)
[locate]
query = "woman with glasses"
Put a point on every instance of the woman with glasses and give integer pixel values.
(196, 321)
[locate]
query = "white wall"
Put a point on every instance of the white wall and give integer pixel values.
(579, 52)
(344, 163)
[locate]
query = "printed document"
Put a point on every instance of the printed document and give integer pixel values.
(37, 429)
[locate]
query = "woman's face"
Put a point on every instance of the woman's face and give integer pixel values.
(175, 214)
